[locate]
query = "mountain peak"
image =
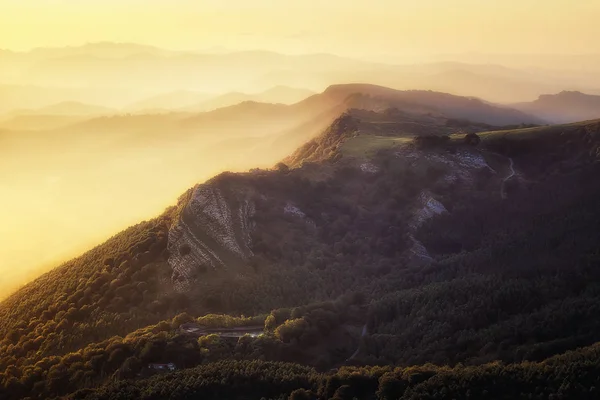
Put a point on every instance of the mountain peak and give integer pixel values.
(350, 88)
(378, 98)
(565, 94)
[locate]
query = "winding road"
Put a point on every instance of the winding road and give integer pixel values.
(503, 185)
(236, 332)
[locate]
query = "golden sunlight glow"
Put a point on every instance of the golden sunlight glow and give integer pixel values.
(357, 27)
(102, 101)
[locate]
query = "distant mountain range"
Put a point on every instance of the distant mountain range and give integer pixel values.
(53, 116)
(15, 97)
(67, 108)
(169, 101)
(121, 74)
(189, 101)
(351, 95)
(277, 94)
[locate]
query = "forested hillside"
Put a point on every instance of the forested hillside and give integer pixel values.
(397, 255)
(572, 376)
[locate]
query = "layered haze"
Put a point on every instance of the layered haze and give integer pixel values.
(106, 127)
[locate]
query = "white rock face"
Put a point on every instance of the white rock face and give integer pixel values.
(211, 233)
(418, 252)
(429, 207)
(461, 165)
(368, 168)
(470, 160)
(293, 210)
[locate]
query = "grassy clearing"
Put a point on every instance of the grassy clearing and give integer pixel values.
(368, 145)
(527, 133)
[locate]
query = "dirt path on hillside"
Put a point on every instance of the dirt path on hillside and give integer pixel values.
(503, 185)
(363, 334)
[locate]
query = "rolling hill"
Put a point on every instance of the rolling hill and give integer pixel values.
(563, 107)
(275, 95)
(28, 96)
(393, 243)
(168, 101)
(34, 122)
(434, 102)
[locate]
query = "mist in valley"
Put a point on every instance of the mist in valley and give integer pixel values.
(67, 188)
(100, 134)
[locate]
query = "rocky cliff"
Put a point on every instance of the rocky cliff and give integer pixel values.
(211, 234)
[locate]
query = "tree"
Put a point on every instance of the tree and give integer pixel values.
(270, 323)
(472, 139)
(291, 329)
(301, 394)
(181, 319)
(281, 167)
(130, 368)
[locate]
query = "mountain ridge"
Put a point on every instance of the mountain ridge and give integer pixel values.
(564, 107)
(457, 106)
(385, 218)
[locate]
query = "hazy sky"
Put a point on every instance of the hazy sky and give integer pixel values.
(349, 27)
